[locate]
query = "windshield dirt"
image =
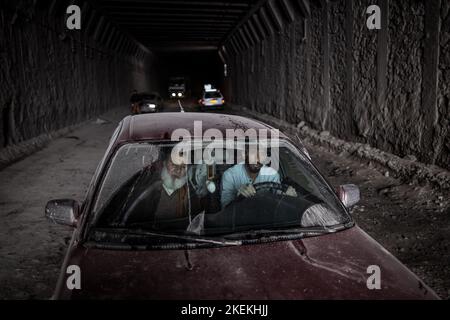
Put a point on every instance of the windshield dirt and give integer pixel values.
(151, 190)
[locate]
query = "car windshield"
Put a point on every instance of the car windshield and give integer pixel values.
(213, 95)
(155, 190)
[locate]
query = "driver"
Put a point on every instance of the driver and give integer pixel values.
(239, 179)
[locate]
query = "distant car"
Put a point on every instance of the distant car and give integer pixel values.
(212, 99)
(267, 246)
(149, 103)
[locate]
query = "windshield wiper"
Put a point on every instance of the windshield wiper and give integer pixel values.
(261, 233)
(216, 241)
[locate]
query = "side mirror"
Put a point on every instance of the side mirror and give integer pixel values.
(65, 212)
(349, 195)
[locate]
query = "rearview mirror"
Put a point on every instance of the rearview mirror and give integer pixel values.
(349, 195)
(65, 212)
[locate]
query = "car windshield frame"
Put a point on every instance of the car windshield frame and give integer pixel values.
(92, 216)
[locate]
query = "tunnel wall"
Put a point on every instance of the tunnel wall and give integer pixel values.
(51, 78)
(389, 88)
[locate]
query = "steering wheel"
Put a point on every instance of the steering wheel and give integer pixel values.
(273, 187)
(267, 187)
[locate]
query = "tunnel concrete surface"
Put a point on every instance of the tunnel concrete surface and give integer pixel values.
(311, 61)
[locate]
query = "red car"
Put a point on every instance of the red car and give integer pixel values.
(158, 223)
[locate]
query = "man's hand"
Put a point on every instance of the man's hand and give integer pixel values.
(247, 190)
(291, 192)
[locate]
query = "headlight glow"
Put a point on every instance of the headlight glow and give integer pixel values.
(173, 94)
(180, 94)
(152, 106)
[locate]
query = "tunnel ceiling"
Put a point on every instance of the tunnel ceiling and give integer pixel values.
(174, 24)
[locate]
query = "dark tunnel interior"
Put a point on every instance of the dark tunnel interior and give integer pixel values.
(185, 35)
(199, 67)
(296, 60)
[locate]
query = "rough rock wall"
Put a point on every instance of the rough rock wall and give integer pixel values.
(401, 118)
(301, 69)
(389, 88)
(48, 81)
(338, 83)
(364, 80)
(316, 55)
(442, 145)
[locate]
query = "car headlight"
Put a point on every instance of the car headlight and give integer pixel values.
(152, 106)
(173, 94)
(180, 94)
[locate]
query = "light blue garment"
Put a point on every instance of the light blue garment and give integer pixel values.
(237, 176)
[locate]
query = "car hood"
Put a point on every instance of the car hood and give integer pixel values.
(332, 266)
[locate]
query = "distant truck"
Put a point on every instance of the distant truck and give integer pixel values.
(177, 87)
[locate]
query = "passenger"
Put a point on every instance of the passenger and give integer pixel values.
(165, 189)
(239, 179)
(135, 100)
(178, 198)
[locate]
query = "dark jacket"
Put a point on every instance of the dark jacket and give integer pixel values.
(138, 200)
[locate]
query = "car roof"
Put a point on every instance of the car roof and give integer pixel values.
(160, 126)
(212, 91)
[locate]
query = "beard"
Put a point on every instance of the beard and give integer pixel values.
(254, 168)
(170, 183)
